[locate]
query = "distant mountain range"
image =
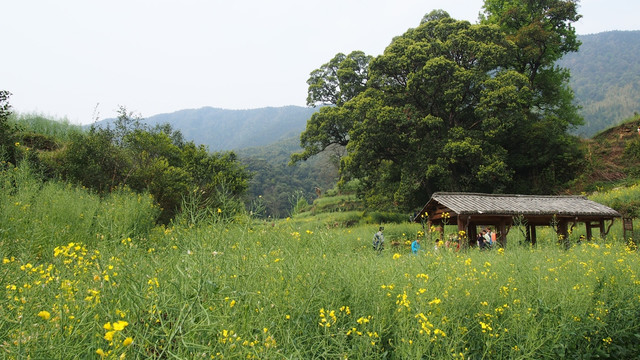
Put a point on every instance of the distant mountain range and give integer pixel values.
(605, 76)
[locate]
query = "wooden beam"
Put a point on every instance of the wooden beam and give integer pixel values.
(533, 235)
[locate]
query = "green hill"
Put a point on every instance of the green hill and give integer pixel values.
(605, 77)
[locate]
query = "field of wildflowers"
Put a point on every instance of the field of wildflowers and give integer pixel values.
(84, 277)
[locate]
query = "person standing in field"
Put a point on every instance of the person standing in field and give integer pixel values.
(491, 236)
(480, 240)
(378, 240)
(415, 246)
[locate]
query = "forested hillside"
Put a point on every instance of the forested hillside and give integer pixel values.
(605, 76)
(278, 185)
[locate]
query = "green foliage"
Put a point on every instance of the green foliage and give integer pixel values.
(154, 160)
(335, 84)
(298, 203)
(632, 151)
(611, 159)
(327, 127)
(94, 160)
(337, 203)
(8, 138)
(339, 80)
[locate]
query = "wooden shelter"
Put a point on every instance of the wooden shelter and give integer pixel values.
(471, 210)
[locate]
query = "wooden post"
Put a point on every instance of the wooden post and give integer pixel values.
(533, 235)
(589, 233)
(473, 234)
(602, 232)
(563, 231)
(503, 233)
(627, 225)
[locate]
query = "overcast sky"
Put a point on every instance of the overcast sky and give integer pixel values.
(82, 59)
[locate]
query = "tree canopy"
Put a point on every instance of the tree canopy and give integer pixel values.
(456, 106)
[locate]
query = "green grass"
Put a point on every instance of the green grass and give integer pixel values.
(294, 288)
(624, 199)
(60, 129)
(336, 203)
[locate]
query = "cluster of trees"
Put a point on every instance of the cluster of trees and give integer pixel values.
(454, 106)
(155, 160)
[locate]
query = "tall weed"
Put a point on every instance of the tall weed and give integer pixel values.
(35, 217)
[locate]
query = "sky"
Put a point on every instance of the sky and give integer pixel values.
(81, 60)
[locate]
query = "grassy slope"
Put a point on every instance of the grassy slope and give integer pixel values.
(606, 166)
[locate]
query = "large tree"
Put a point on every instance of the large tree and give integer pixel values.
(334, 84)
(461, 107)
(421, 128)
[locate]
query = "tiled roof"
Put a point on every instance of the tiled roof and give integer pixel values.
(473, 203)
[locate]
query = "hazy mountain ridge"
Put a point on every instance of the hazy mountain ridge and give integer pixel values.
(222, 129)
(605, 77)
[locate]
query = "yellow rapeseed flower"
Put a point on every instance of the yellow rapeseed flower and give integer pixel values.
(45, 315)
(100, 352)
(396, 256)
(435, 301)
(127, 341)
(118, 326)
(109, 335)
